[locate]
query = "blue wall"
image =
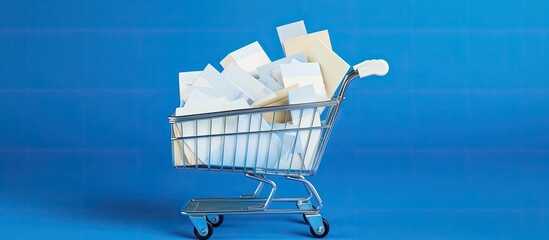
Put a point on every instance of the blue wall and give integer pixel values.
(458, 128)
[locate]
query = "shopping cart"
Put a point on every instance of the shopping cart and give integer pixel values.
(291, 146)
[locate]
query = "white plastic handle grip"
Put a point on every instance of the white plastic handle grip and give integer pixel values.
(378, 67)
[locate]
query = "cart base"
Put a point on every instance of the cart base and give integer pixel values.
(207, 213)
(208, 206)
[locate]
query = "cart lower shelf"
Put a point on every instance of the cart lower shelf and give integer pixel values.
(207, 213)
(235, 206)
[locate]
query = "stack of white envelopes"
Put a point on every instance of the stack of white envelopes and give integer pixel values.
(310, 72)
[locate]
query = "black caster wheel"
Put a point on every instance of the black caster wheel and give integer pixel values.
(305, 219)
(208, 235)
(321, 234)
(216, 221)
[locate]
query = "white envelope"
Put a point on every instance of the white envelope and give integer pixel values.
(294, 161)
(186, 79)
(261, 150)
(248, 58)
(258, 150)
(247, 84)
(303, 74)
(200, 102)
(288, 139)
(302, 43)
(273, 69)
(307, 140)
(213, 79)
(182, 155)
(270, 83)
(306, 117)
(291, 30)
(295, 60)
(317, 50)
(206, 149)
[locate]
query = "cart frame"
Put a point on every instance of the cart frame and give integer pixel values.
(207, 213)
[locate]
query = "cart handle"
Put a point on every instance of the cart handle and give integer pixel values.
(378, 67)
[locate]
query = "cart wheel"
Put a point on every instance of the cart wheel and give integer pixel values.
(322, 232)
(208, 234)
(305, 218)
(216, 221)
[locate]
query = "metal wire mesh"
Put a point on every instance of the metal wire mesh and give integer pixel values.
(284, 140)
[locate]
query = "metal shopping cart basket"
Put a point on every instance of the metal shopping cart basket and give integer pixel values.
(291, 146)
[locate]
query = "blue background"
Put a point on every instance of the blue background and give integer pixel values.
(452, 144)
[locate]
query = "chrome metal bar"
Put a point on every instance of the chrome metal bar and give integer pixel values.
(269, 171)
(282, 143)
(223, 143)
(236, 141)
(307, 145)
(254, 211)
(270, 140)
(311, 188)
(271, 195)
(274, 199)
(331, 120)
(259, 118)
(195, 144)
(291, 156)
(260, 187)
(247, 141)
(210, 129)
(176, 119)
(256, 192)
(348, 78)
(309, 193)
(248, 133)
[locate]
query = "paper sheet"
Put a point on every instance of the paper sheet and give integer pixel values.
(271, 83)
(273, 69)
(199, 102)
(251, 150)
(333, 67)
(302, 43)
(182, 154)
(310, 72)
(248, 150)
(274, 97)
(291, 30)
(219, 86)
(248, 58)
(247, 84)
(303, 74)
(186, 79)
(307, 140)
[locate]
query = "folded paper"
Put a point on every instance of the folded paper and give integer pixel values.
(273, 69)
(248, 85)
(303, 74)
(307, 140)
(291, 30)
(182, 154)
(248, 58)
(186, 79)
(285, 139)
(271, 83)
(302, 43)
(316, 50)
(210, 78)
